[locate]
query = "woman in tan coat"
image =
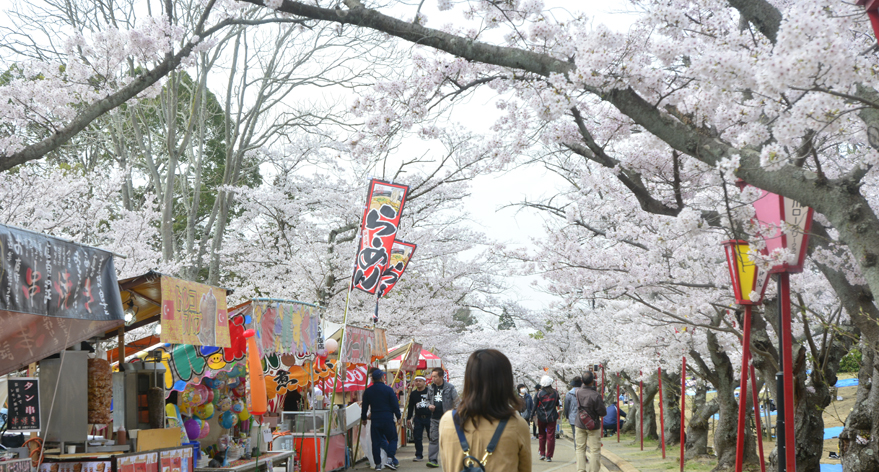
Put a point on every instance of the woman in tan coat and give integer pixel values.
(489, 397)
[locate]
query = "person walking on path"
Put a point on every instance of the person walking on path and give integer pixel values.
(443, 397)
(384, 408)
(590, 403)
(569, 410)
(533, 418)
(547, 410)
(487, 416)
(418, 415)
(528, 408)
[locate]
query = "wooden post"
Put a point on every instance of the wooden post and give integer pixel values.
(120, 351)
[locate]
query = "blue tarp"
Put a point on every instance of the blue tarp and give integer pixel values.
(830, 433)
(846, 383)
(831, 467)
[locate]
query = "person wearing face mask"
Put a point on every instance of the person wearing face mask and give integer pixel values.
(528, 409)
(419, 415)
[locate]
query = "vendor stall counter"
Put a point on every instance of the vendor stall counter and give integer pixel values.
(266, 462)
(305, 427)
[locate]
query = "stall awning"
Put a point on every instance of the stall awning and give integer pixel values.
(426, 360)
(53, 294)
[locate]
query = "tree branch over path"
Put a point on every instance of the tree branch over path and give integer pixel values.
(839, 200)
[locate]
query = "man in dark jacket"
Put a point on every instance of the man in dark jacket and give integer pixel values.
(589, 401)
(384, 408)
(418, 415)
(443, 398)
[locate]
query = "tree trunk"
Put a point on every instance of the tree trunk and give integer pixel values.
(696, 444)
(858, 446)
(632, 413)
(167, 229)
(671, 393)
(651, 388)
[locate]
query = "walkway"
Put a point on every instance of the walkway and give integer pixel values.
(564, 460)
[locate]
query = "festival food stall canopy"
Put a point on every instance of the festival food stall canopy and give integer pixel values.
(53, 294)
(426, 359)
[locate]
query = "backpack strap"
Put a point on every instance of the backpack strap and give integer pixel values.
(492, 445)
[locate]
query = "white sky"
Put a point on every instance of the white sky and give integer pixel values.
(490, 193)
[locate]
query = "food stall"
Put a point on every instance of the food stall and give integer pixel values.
(54, 295)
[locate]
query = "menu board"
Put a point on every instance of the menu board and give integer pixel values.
(176, 460)
(24, 404)
(19, 465)
(146, 462)
(90, 466)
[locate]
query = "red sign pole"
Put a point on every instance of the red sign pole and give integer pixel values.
(641, 409)
(602, 399)
(618, 407)
(743, 390)
(661, 415)
(683, 407)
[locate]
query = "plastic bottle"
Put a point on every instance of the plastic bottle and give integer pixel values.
(121, 436)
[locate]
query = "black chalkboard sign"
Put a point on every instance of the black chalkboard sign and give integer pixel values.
(24, 404)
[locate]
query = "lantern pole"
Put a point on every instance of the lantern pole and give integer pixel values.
(743, 389)
(756, 400)
(683, 406)
(641, 408)
(661, 414)
(786, 408)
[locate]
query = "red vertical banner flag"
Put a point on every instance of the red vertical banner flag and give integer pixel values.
(401, 254)
(381, 218)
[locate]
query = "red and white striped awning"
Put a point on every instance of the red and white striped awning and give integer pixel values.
(426, 360)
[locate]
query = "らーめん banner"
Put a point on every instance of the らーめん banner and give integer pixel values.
(53, 294)
(401, 254)
(381, 218)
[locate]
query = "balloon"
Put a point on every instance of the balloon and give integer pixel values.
(237, 407)
(258, 397)
(192, 429)
(227, 420)
(224, 404)
(332, 345)
(244, 415)
(210, 397)
(205, 430)
(322, 352)
(173, 414)
(194, 395)
(203, 393)
(205, 411)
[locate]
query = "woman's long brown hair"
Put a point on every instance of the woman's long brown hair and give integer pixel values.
(489, 390)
